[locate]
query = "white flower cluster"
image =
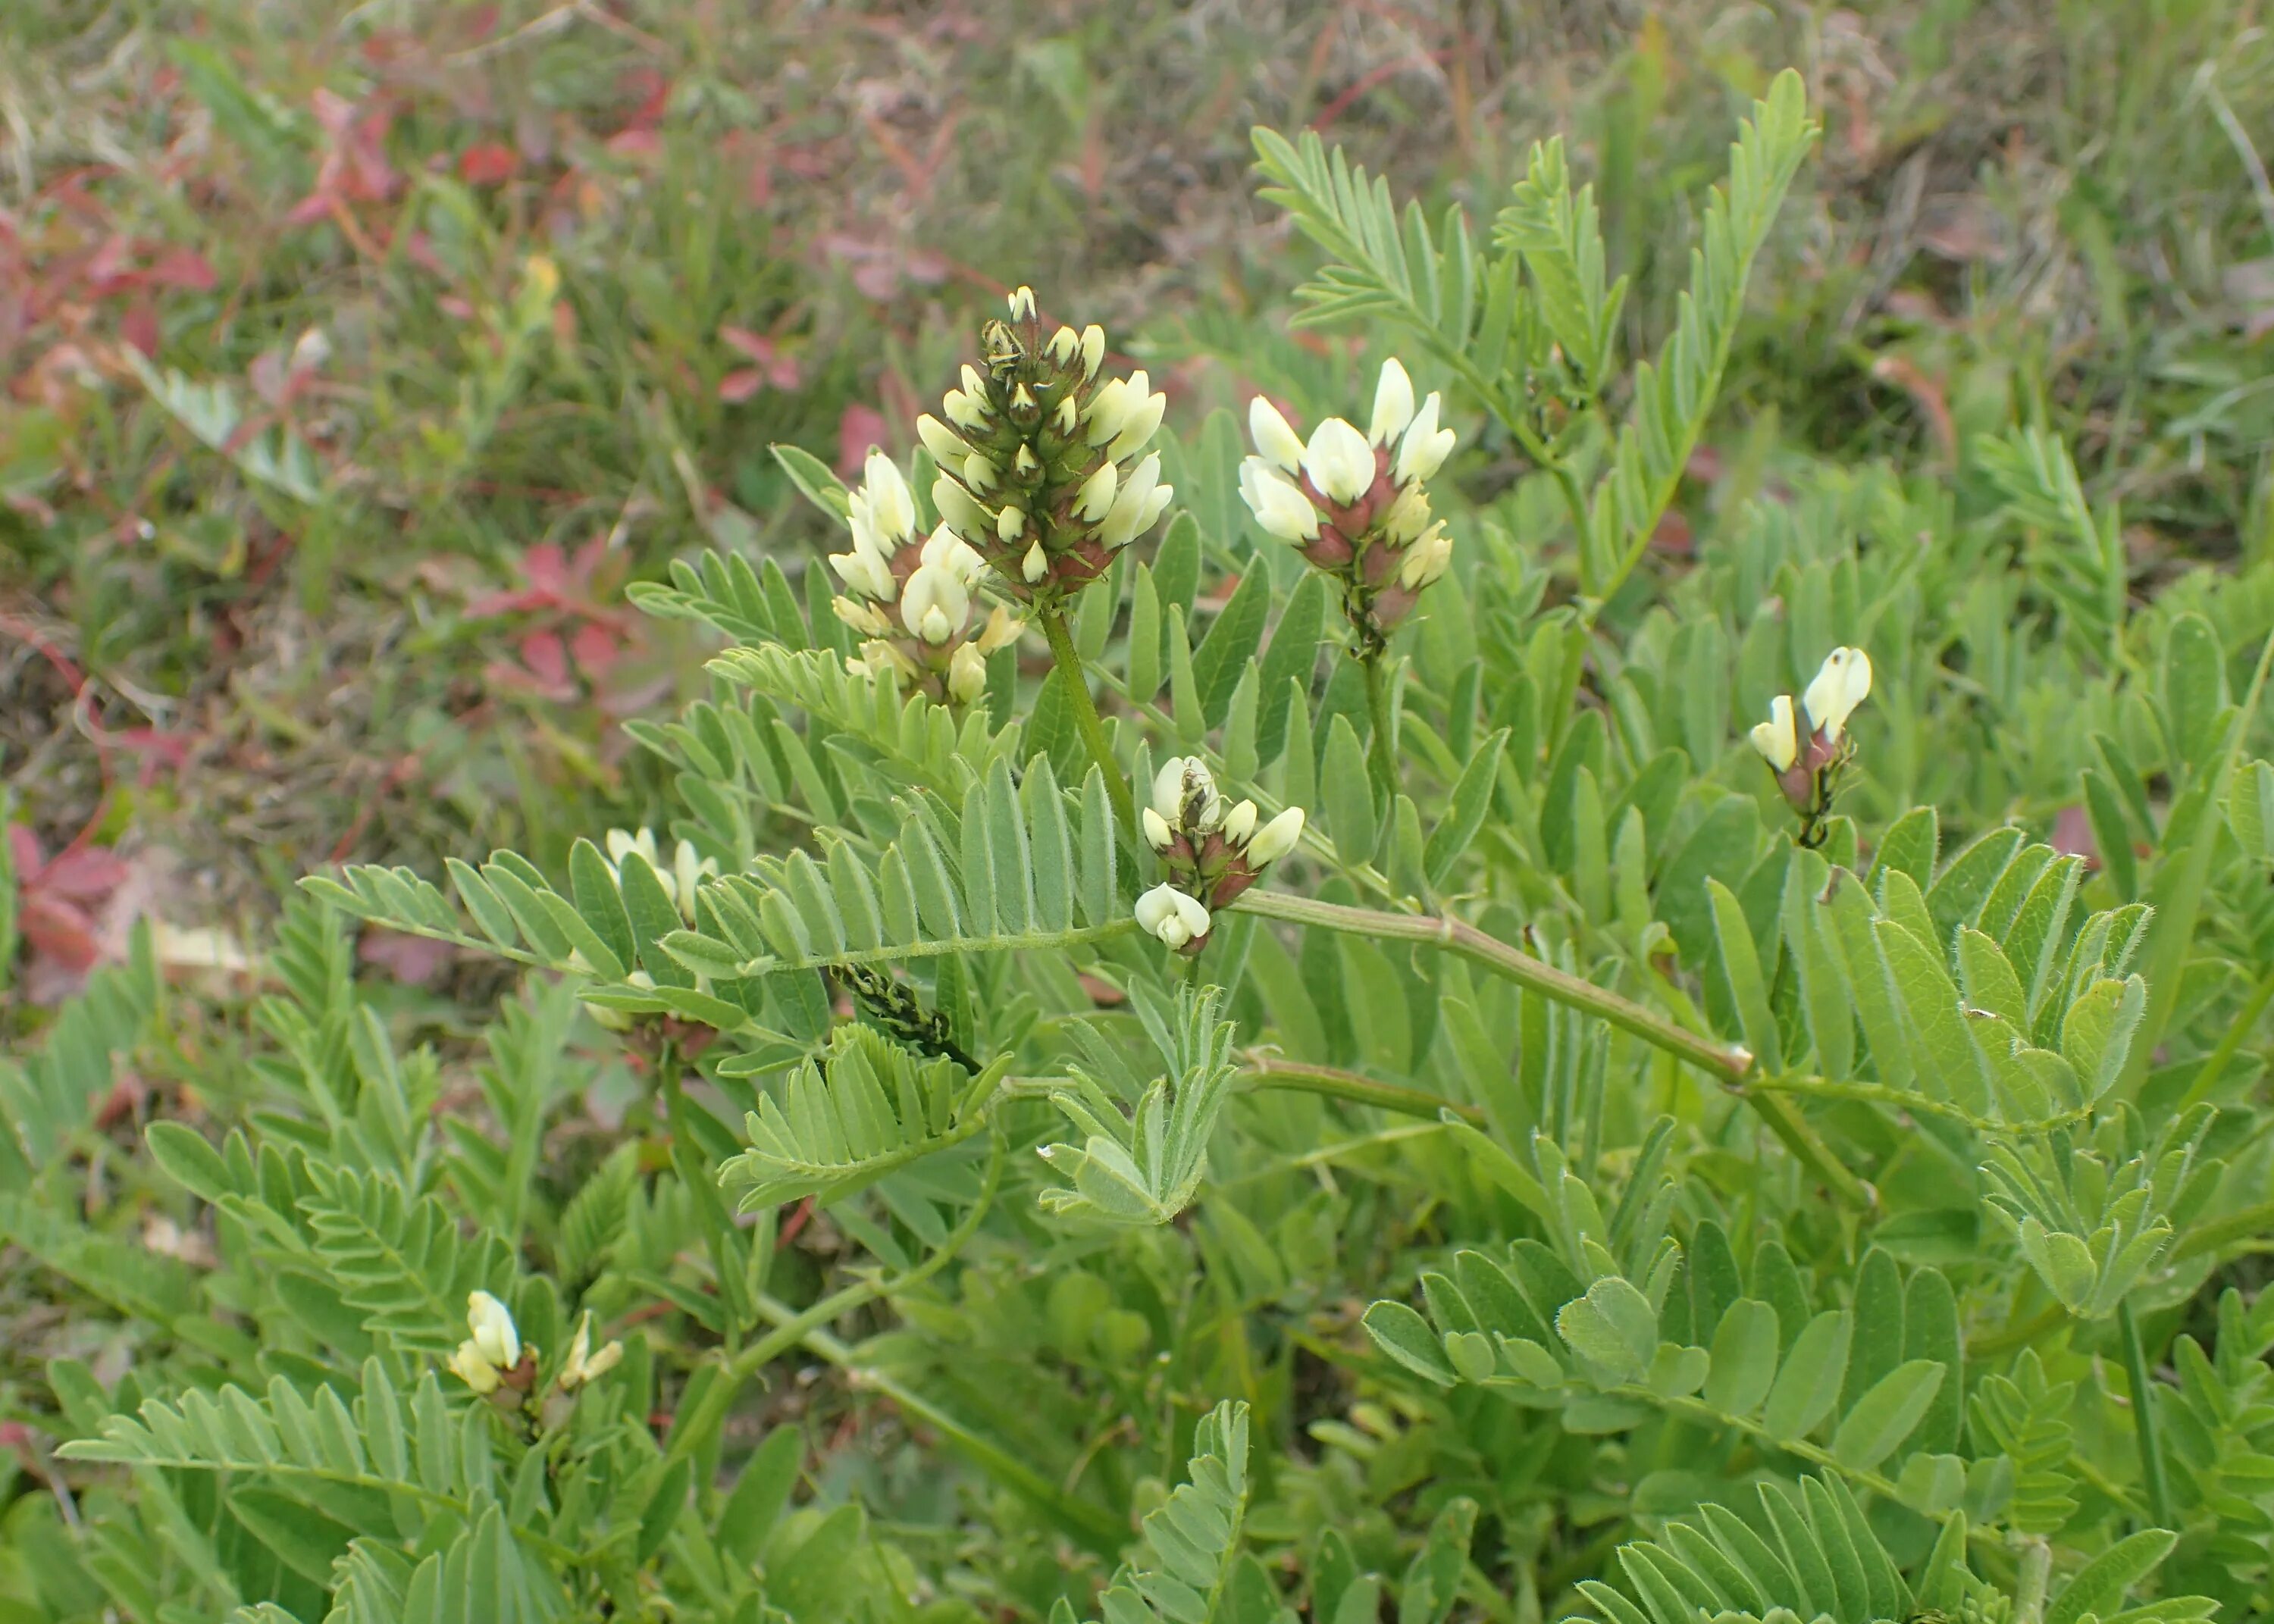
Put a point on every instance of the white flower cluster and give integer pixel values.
(1803, 759)
(686, 871)
(1213, 850)
(1353, 504)
(912, 599)
(1039, 463)
(493, 1355)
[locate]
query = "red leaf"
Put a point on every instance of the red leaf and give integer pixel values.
(183, 267)
(595, 647)
(139, 327)
(61, 931)
(739, 386)
(758, 346)
(860, 428)
(544, 654)
(487, 164)
(412, 960)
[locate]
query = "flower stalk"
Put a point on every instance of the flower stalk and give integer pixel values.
(1051, 618)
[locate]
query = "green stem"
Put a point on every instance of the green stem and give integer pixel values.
(2238, 1033)
(794, 1327)
(1381, 749)
(1085, 714)
(1271, 1072)
(2030, 1582)
(2143, 1417)
(1092, 1521)
(1726, 1063)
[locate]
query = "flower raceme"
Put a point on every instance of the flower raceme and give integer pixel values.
(1805, 747)
(1354, 504)
(912, 598)
(687, 870)
(493, 1353)
(1039, 457)
(1213, 850)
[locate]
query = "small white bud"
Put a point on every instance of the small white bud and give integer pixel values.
(978, 472)
(1025, 462)
(1393, 403)
(1065, 345)
(965, 410)
(1240, 823)
(1276, 838)
(1777, 738)
(1010, 524)
(947, 446)
(1274, 436)
(1093, 349)
(1158, 835)
(1001, 632)
(1094, 499)
(1035, 565)
(1427, 558)
(1425, 447)
(966, 675)
(892, 505)
(959, 509)
(1022, 304)
(468, 1364)
(1068, 417)
(1134, 507)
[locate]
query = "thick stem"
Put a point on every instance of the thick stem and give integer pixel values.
(1085, 714)
(2143, 1418)
(2030, 1582)
(1381, 749)
(1271, 1072)
(1726, 1063)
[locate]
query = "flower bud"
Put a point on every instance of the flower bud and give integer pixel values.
(1278, 504)
(978, 472)
(1274, 437)
(1427, 558)
(1094, 499)
(1425, 447)
(1240, 823)
(1093, 349)
(1010, 524)
(470, 1367)
(1393, 403)
(946, 447)
(1158, 835)
(1339, 462)
(494, 1337)
(1035, 565)
(1276, 838)
(1022, 304)
(1064, 346)
(1777, 738)
(958, 508)
(967, 673)
(1843, 683)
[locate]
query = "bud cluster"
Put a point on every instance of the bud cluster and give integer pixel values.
(1038, 457)
(493, 1356)
(1354, 504)
(1807, 763)
(912, 598)
(1212, 852)
(686, 871)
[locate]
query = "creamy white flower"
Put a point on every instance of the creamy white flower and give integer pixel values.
(1022, 304)
(1143, 421)
(1124, 414)
(468, 1364)
(1093, 349)
(967, 673)
(1001, 632)
(1274, 436)
(964, 409)
(1137, 504)
(1339, 462)
(1169, 914)
(1010, 524)
(1067, 416)
(1777, 738)
(862, 616)
(979, 472)
(892, 505)
(1094, 499)
(493, 1335)
(1277, 502)
(1276, 838)
(622, 841)
(1393, 403)
(1185, 781)
(944, 443)
(1064, 346)
(1843, 683)
(1425, 447)
(936, 602)
(1427, 558)
(1408, 515)
(1158, 835)
(1240, 823)
(948, 551)
(583, 1364)
(688, 870)
(864, 570)
(1035, 565)
(959, 509)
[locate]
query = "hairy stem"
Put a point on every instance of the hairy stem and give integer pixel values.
(2143, 1417)
(1085, 714)
(1270, 1071)
(1381, 749)
(1726, 1063)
